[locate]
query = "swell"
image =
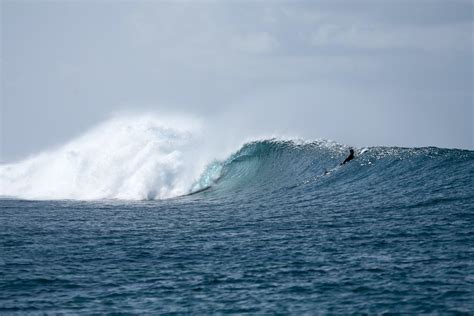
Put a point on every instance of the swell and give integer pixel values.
(270, 163)
(145, 158)
(285, 167)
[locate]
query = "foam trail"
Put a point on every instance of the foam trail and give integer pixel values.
(124, 158)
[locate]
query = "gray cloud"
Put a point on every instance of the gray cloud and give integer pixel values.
(364, 73)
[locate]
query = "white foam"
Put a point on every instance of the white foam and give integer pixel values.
(141, 157)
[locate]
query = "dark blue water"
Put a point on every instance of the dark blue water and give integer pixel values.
(280, 230)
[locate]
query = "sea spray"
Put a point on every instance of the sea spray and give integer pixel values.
(135, 157)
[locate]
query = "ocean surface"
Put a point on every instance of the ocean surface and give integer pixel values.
(276, 227)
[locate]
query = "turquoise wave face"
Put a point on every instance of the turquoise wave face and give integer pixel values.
(275, 167)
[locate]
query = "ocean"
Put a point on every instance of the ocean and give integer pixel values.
(274, 227)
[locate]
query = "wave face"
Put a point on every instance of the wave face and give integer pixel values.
(270, 163)
(281, 169)
(145, 158)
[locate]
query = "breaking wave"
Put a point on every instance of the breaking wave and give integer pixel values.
(143, 158)
(124, 158)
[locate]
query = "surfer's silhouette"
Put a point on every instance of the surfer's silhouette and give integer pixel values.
(349, 158)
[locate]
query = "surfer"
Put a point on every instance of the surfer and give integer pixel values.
(349, 158)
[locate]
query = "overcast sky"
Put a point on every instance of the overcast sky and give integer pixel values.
(358, 72)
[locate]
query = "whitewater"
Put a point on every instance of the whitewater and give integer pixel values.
(135, 158)
(164, 215)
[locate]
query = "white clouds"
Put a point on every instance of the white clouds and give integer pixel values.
(185, 29)
(379, 37)
(212, 29)
(259, 42)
